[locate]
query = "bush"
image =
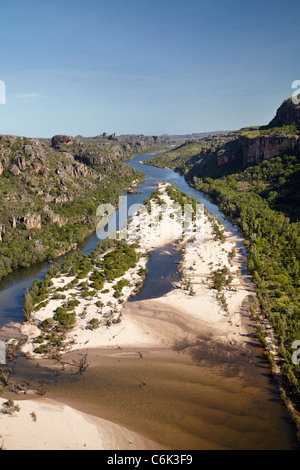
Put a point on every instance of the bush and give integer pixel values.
(93, 324)
(64, 318)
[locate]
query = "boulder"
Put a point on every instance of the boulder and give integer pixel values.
(20, 161)
(15, 170)
(2, 231)
(32, 221)
(57, 140)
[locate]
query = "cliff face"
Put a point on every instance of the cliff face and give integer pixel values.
(287, 113)
(255, 150)
(280, 136)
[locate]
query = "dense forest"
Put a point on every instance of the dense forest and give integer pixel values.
(260, 193)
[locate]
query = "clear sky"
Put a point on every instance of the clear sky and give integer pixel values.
(145, 66)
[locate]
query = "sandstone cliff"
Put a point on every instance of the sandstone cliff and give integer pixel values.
(279, 137)
(254, 150)
(287, 113)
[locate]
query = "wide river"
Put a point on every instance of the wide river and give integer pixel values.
(181, 401)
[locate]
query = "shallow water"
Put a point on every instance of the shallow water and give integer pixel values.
(162, 273)
(179, 403)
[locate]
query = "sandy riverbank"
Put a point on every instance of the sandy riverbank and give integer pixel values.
(43, 424)
(192, 296)
(192, 310)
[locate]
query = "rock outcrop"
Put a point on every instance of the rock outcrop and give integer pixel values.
(255, 150)
(32, 221)
(20, 162)
(95, 159)
(57, 140)
(287, 113)
(113, 136)
(263, 143)
(2, 231)
(14, 170)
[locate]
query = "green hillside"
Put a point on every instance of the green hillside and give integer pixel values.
(49, 193)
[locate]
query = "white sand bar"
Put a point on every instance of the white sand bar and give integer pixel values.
(193, 305)
(43, 424)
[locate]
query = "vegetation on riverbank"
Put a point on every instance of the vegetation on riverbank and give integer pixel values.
(273, 244)
(262, 198)
(88, 291)
(86, 280)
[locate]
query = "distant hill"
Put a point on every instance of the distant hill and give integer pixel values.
(195, 135)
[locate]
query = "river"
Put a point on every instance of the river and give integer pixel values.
(179, 401)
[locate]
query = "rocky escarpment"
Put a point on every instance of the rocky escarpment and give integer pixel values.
(279, 137)
(287, 113)
(95, 159)
(255, 150)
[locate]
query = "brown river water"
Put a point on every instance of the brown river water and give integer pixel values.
(175, 399)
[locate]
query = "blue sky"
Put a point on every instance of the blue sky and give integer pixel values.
(145, 66)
